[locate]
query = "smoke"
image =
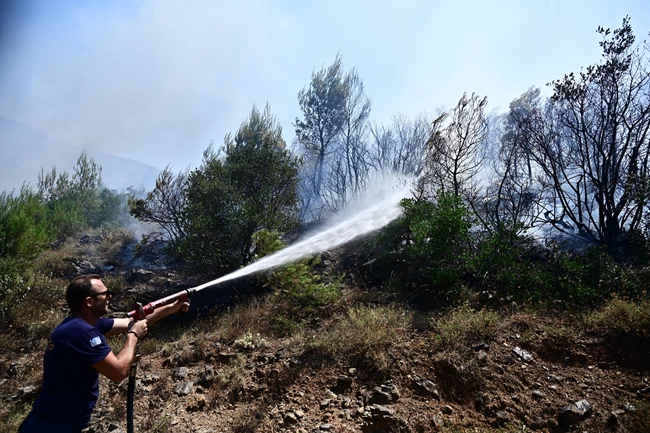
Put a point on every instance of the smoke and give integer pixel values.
(154, 80)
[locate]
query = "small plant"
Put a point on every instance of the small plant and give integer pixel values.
(463, 326)
(365, 332)
(250, 342)
(622, 316)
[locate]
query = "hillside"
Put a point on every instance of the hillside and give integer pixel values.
(25, 151)
(360, 364)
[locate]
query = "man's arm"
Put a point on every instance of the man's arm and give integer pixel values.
(120, 326)
(116, 368)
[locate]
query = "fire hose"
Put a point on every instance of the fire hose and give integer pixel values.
(139, 313)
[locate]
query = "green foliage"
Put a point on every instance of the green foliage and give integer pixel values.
(229, 199)
(502, 263)
(297, 289)
(23, 225)
(432, 241)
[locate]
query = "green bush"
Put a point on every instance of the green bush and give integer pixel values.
(297, 289)
(428, 248)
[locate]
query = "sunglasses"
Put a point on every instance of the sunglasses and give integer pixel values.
(107, 293)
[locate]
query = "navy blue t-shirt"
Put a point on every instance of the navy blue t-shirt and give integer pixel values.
(70, 384)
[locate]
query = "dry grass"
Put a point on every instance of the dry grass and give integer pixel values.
(463, 326)
(247, 419)
(364, 331)
(622, 316)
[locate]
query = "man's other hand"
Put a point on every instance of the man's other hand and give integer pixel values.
(179, 305)
(140, 328)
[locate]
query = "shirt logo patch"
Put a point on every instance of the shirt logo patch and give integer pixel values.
(95, 341)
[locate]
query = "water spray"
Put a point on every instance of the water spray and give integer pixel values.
(378, 211)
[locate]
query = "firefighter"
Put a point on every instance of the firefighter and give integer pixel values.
(77, 352)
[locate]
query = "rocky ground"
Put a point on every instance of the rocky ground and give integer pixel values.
(533, 374)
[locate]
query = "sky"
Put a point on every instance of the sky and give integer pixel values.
(157, 80)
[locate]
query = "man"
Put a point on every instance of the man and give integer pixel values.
(78, 352)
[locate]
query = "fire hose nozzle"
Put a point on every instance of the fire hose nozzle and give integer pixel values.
(140, 312)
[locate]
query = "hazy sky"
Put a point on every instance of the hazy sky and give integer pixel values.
(156, 80)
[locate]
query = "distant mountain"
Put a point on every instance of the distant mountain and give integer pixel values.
(23, 151)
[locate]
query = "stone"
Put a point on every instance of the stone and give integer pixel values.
(27, 393)
(290, 418)
(574, 413)
(538, 394)
(438, 422)
(183, 388)
(324, 404)
(481, 346)
(502, 418)
(482, 357)
(180, 373)
(379, 397)
(447, 410)
(140, 276)
(523, 354)
(343, 385)
(425, 387)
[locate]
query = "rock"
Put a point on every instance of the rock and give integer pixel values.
(481, 346)
(207, 377)
(197, 403)
(447, 410)
(574, 413)
(325, 403)
(87, 238)
(343, 385)
(385, 394)
(183, 388)
(180, 373)
(380, 419)
(290, 418)
(554, 378)
(502, 418)
(523, 354)
(27, 393)
(438, 422)
(325, 427)
(482, 357)
(538, 394)
(299, 414)
(140, 276)
(84, 267)
(425, 387)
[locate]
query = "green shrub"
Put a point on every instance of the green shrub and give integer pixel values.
(427, 249)
(297, 289)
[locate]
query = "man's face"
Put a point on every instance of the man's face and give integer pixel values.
(99, 298)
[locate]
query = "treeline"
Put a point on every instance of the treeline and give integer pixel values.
(61, 205)
(501, 203)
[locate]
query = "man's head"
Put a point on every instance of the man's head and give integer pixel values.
(87, 293)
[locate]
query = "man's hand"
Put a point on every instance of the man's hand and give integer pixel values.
(179, 305)
(140, 328)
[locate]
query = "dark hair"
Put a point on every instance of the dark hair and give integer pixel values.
(78, 290)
